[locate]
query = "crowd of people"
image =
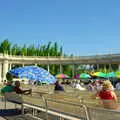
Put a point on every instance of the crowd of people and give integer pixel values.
(103, 89)
(105, 92)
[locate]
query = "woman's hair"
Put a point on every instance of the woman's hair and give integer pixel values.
(107, 84)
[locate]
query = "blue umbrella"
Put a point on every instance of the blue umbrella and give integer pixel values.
(33, 73)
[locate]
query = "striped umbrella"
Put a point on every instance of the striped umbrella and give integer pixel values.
(83, 75)
(99, 74)
(61, 76)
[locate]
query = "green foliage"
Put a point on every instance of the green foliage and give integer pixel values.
(5, 47)
(24, 51)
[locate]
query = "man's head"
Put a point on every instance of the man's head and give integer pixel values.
(17, 83)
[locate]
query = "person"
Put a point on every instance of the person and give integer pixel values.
(63, 82)
(8, 87)
(73, 84)
(118, 86)
(4, 82)
(18, 90)
(58, 86)
(107, 96)
(98, 85)
(92, 86)
(78, 86)
(68, 82)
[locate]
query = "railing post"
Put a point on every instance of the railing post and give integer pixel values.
(86, 111)
(46, 107)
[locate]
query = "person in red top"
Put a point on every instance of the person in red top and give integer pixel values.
(107, 92)
(107, 96)
(18, 90)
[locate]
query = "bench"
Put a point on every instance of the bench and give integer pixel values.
(13, 98)
(51, 108)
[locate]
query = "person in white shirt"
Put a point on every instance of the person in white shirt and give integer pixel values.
(73, 84)
(118, 86)
(78, 86)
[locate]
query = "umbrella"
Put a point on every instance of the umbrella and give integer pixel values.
(33, 73)
(117, 74)
(99, 74)
(61, 76)
(77, 76)
(83, 75)
(110, 75)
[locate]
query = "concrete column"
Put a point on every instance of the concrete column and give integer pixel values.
(73, 70)
(61, 71)
(48, 68)
(9, 66)
(23, 64)
(105, 68)
(118, 66)
(97, 66)
(0, 71)
(110, 67)
(5, 69)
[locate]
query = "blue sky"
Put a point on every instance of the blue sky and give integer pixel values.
(82, 27)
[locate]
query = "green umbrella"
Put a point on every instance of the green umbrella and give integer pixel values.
(111, 75)
(84, 75)
(118, 73)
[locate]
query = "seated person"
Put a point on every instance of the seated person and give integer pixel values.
(8, 87)
(18, 90)
(107, 96)
(63, 82)
(118, 86)
(68, 82)
(78, 86)
(58, 87)
(73, 84)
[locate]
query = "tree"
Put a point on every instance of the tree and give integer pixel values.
(24, 50)
(31, 51)
(61, 51)
(5, 46)
(14, 49)
(48, 48)
(55, 49)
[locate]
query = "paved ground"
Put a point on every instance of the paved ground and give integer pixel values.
(10, 113)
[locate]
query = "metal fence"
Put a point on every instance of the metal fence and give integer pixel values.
(51, 109)
(103, 114)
